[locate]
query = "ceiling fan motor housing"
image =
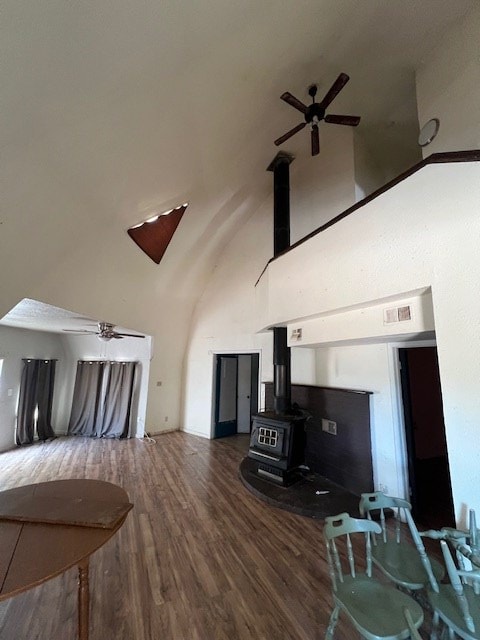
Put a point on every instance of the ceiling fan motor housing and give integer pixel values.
(105, 331)
(314, 111)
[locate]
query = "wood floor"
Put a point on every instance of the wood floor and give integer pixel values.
(199, 557)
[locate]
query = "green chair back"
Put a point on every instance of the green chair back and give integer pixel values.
(398, 553)
(376, 610)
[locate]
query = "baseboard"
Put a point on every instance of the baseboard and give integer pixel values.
(153, 434)
(193, 432)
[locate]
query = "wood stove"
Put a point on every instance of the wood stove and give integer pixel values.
(277, 443)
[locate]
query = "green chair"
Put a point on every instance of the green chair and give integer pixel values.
(457, 604)
(414, 633)
(376, 610)
(467, 543)
(401, 559)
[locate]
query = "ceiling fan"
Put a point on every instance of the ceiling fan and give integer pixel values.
(105, 332)
(315, 112)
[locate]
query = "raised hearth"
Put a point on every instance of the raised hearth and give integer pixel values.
(301, 497)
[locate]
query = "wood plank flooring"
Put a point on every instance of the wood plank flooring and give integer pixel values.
(199, 557)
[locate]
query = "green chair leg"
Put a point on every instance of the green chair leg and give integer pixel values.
(332, 623)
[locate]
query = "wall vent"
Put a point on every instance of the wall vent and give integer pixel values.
(404, 313)
(397, 314)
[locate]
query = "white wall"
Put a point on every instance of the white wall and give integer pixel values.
(16, 344)
(303, 366)
(448, 87)
(331, 174)
(366, 322)
(224, 320)
(422, 233)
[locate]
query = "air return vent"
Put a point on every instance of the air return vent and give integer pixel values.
(397, 314)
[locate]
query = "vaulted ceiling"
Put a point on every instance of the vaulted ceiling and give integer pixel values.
(114, 109)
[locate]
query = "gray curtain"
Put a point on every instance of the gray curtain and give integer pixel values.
(118, 400)
(102, 399)
(87, 399)
(36, 394)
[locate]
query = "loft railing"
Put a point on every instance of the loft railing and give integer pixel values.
(435, 158)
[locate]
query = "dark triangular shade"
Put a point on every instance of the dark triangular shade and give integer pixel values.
(154, 237)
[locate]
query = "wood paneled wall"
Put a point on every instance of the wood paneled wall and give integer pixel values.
(345, 458)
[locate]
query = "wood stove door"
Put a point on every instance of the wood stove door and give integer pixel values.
(226, 396)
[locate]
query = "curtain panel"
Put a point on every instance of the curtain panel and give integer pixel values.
(102, 399)
(35, 401)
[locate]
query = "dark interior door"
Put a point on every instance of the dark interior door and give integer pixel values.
(226, 396)
(428, 469)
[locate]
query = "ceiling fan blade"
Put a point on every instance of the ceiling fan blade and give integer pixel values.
(351, 121)
(293, 102)
(290, 133)
(128, 335)
(335, 89)
(315, 140)
(79, 331)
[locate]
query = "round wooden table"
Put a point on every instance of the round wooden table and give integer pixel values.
(49, 527)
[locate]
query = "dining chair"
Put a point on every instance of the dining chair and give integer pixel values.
(457, 604)
(414, 633)
(466, 542)
(400, 557)
(376, 610)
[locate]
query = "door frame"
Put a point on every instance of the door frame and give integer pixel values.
(230, 352)
(400, 433)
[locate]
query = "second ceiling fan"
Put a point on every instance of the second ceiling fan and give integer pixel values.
(105, 332)
(315, 112)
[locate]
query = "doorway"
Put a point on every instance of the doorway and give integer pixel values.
(236, 393)
(427, 455)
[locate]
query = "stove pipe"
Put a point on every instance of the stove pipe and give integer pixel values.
(281, 241)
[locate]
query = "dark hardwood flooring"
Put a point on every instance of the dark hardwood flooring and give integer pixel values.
(199, 557)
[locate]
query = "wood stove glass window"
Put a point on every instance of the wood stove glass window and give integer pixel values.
(267, 437)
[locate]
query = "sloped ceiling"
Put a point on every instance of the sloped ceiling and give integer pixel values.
(113, 110)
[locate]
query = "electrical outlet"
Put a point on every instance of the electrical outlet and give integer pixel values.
(166, 418)
(329, 426)
(296, 334)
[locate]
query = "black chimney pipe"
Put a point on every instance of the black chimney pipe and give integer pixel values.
(281, 371)
(281, 201)
(281, 241)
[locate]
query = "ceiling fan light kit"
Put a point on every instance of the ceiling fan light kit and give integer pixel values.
(315, 112)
